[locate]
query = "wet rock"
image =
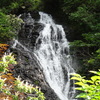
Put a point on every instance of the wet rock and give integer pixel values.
(28, 67)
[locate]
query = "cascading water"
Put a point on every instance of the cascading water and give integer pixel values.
(52, 51)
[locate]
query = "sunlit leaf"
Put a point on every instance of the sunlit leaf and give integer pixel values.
(81, 95)
(76, 78)
(79, 83)
(94, 78)
(95, 72)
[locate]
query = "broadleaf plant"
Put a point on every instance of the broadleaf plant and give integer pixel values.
(90, 89)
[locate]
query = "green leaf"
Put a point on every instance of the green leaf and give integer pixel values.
(81, 95)
(91, 61)
(76, 78)
(74, 74)
(79, 83)
(94, 78)
(89, 81)
(95, 72)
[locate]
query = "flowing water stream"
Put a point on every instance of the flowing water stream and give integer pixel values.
(52, 51)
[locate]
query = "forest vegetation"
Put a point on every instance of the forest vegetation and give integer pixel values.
(14, 88)
(82, 16)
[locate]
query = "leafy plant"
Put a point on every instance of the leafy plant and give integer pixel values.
(13, 88)
(9, 26)
(5, 61)
(90, 88)
(28, 88)
(84, 23)
(15, 5)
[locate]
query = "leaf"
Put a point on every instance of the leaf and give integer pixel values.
(79, 88)
(95, 72)
(79, 83)
(76, 78)
(91, 61)
(81, 95)
(94, 78)
(98, 51)
(74, 74)
(97, 82)
(89, 81)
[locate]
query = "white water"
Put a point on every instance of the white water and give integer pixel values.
(52, 51)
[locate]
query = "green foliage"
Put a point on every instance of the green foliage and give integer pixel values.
(5, 61)
(90, 40)
(34, 4)
(28, 88)
(84, 14)
(12, 88)
(90, 88)
(88, 51)
(9, 23)
(15, 5)
(9, 26)
(2, 81)
(84, 18)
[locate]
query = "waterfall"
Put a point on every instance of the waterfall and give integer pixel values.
(52, 51)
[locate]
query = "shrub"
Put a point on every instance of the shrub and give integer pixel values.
(13, 88)
(90, 88)
(9, 26)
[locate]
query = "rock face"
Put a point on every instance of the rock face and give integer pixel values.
(28, 67)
